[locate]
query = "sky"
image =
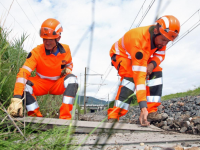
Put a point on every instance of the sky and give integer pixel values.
(112, 19)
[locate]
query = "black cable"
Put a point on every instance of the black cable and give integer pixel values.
(26, 16)
(12, 16)
(151, 4)
(137, 14)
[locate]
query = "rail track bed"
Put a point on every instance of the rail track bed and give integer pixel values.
(123, 136)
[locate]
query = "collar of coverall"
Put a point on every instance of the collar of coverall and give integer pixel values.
(61, 49)
(152, 36)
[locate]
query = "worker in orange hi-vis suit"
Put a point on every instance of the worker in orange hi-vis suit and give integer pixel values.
(53, 63)
(137, 56)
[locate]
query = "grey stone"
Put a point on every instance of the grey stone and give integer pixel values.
(198, 127)
(166, 128)
(183, 129)
(184, 124)
(169, 122)
(196, 121)
(164, 116)
(197, 101)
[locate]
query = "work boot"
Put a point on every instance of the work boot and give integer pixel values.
(154, 117)
(112, 120)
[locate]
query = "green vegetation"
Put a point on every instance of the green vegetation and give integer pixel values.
(12, 57)
(194, 92)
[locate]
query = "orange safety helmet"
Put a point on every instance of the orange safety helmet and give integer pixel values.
(169, 26)
(50, 29)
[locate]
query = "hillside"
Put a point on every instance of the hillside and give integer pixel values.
(91, 100)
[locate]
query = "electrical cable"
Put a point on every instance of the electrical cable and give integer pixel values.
(12, 16)
(26, 15)
(33, 11)
(137, 14)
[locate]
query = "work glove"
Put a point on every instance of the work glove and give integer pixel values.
(65, 71)
(15, 108)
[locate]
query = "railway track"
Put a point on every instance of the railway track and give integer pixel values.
(129, 136)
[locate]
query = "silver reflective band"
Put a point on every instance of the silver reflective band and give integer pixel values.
(165, 19)
(160, 52)
(67, 65)
(159, 57)
(139, 68)
(21, 80)
(29, 89)
(70, 80)
(130, 85)
(58, 26)
(27, 68)
(68, 100)
(46, 77)
(121, 104)
(140, 87)
(129, 56)
(154, 82)
(153, 99)
(32, 106)
(116, 48)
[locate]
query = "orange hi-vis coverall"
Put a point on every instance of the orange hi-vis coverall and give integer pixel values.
(47, 80)
(130, 56)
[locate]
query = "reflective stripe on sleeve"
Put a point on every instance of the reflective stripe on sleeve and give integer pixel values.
(116, 48)
(46, 77)
(160, 52)
(153, 99)
(68, 100)
(67, 65)
(21, 80)
(69, 81)
(159, 57)
(140, 87)
(130, 85)
(121, 104)
(32, 106)
(29, 89)
(129, 56)
(154, 82)
(139, 68)
(27, 68)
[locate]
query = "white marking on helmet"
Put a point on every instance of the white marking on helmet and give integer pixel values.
(166, 21)
(58, 27)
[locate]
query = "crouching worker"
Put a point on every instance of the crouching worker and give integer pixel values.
(137, 56)
(53, 63)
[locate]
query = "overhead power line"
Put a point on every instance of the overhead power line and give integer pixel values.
(188, 31)
(143, 16)
(26, 16)
(33, 11)
(12, 16)
(137, 14)
(102, 82)
(91, 37)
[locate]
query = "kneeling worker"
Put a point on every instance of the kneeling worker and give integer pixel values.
(49, 59)
(137, 56)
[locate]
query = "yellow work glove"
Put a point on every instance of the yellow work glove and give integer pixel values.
(15, 108)
(65, 71)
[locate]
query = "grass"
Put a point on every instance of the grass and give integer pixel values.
(194, 92)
